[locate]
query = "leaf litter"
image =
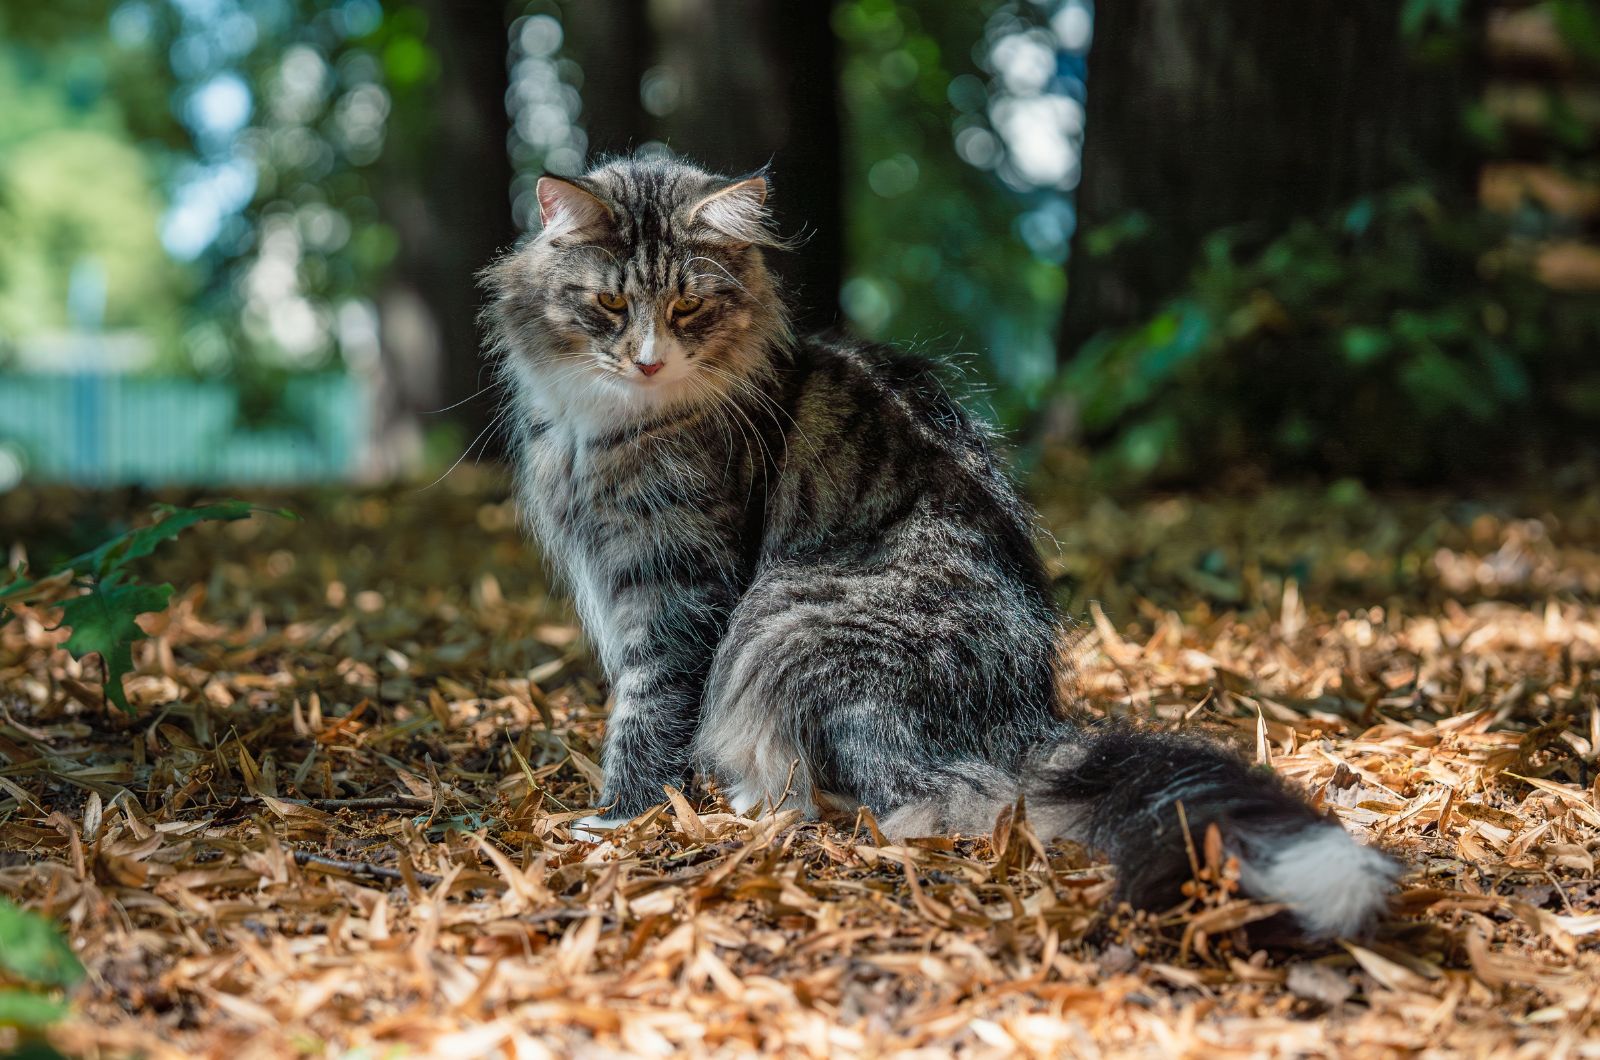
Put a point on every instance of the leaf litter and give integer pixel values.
(338, 823)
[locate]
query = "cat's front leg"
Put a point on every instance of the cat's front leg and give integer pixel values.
(655, 604)
(646, 748)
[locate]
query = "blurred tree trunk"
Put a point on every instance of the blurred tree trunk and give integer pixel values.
(731, 85)
(756, 84)
(744, 84)
(447, 194)
(1209, 113)
(611, 41)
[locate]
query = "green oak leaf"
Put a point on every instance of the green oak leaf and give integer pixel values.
(32, 950)
(141, 542)
(102, 622)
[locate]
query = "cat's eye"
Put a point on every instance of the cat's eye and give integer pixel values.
(612, 300)
(686, 305)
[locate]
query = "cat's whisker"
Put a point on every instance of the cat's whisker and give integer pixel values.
(463, 401)
(496, 421)
(732, 404)
(727, 424)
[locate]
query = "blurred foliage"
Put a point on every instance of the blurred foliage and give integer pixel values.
(60, 135)
(303, 241)
(1418, 17)
(248, 158)
(926, 267)
(258, 120)
(1579, 24)
(1400, 341)
(269, 143)
(1408, 338)
(36, 964)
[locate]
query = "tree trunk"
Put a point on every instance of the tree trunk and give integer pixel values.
(731, 85)
(742, 84)
(447, 194)
(1211, 113)
(612, 43)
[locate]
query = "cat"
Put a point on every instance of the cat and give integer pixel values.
(807, 575)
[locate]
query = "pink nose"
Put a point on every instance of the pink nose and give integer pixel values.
(649, 367)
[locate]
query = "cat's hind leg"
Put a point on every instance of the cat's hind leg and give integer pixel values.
(826, 692)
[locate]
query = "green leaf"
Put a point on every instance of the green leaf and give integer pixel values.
(1363, 345)
(25, 1008)
(102, 622)
(136, 544)
(13, 586)
(31, 949)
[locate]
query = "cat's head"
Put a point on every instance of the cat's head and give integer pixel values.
(645, 288)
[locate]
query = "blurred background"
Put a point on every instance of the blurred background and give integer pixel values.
(1167, 242)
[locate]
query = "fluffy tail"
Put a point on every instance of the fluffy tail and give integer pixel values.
(1117, 790)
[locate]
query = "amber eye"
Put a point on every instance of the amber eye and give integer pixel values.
(612, 301)
(686, 305)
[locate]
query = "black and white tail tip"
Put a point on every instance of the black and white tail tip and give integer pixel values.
(1333, 885)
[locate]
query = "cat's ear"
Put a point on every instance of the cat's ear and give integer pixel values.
(566, 208)
(737, 212)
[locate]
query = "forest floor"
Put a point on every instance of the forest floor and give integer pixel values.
(337, 823)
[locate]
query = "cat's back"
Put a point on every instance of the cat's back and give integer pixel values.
(865, 379)
(879, 414)
(862, 406)
(876, 438)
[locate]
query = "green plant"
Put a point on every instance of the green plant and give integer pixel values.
(36, 968)
(1401, 340)
(103, 616)
(932, 264)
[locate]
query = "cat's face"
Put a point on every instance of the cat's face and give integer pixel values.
(645, 288)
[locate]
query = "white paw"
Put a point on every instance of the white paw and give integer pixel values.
(743, 799)
(595, 828)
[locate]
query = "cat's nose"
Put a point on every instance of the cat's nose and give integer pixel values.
(649, 367)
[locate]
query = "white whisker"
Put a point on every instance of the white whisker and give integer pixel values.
(499, 417)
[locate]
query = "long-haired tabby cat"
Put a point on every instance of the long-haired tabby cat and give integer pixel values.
(807, 575)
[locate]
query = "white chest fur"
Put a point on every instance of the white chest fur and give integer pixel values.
(562, 497)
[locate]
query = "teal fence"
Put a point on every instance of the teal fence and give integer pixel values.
(106, 429)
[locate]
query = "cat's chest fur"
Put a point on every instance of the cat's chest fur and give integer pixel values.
(615, 513)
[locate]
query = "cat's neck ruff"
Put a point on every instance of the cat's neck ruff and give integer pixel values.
(588, 403)
(591, 404)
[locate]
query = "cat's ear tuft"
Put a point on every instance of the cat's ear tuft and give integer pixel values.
(737, 212)
(567, 209)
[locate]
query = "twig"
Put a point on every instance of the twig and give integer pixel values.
(1188, 840)
(363, 869)
(369, 802)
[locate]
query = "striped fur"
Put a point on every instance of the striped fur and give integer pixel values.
(805, 572)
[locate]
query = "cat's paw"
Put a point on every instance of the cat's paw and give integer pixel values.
(744, 798)
(595, 828)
